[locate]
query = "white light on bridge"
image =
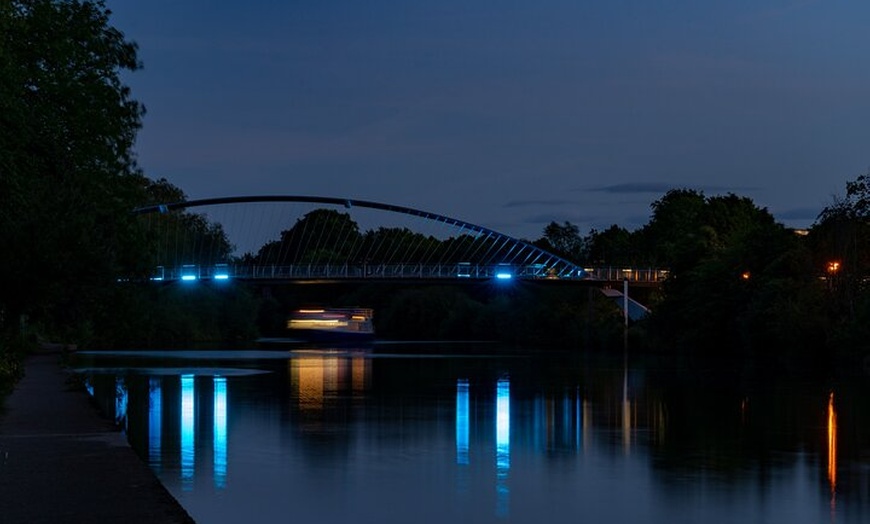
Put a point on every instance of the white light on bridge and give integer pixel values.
(188, 278)
(221, 276)
(504, 275)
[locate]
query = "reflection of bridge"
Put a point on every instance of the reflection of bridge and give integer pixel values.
(322, 241)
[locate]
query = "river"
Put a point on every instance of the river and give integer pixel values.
(427, 433)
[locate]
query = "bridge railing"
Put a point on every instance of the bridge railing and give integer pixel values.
(612, 273)
(400, 271)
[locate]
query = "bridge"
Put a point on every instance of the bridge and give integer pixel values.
(310, 238)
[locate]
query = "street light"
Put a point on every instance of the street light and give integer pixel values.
(833, 267)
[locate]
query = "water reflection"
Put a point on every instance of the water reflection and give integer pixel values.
(188, 417)
(121, 403)
(155, 422)
(832, 453)
(220, 432)
(502, 444)
(330, 435)
(462, 428)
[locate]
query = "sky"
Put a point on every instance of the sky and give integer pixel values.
(506, 114)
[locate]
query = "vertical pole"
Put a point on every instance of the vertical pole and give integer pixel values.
(625, 300)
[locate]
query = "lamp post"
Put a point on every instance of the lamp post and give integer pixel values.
(833, 268)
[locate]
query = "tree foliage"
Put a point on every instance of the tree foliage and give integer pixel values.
(736, 275)
(840, 242)
(565, 240)
(67, 169)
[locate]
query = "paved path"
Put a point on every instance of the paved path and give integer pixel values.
(60, 461)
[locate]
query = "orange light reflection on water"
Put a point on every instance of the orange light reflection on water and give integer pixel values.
(832, 444)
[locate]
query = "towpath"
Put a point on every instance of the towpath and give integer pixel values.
(60, 461)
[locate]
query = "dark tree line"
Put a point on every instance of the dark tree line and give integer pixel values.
(739, 281)
(742, 283)
(327, 236)
(68, 173)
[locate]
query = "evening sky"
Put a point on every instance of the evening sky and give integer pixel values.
(507, 114)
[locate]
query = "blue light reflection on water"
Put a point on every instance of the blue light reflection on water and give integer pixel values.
(121, 402)
(462, 428)
(155, 423)
(220, 432)
(188, 443)
(502, 445)
(336, 437)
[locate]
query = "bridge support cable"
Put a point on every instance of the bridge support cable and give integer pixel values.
(453, 245)
(339, 243)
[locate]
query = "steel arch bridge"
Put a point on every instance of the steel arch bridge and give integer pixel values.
(484, 253)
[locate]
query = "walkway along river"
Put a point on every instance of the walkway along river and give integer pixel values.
(61, 461)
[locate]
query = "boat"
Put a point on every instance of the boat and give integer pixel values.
(332, 324)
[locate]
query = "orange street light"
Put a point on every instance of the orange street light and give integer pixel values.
(745, 275)
(833, 267)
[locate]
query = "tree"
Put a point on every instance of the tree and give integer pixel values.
(611, 247)
(393, 245)
(67, 170)
(673, 235)
(322, 236)
(840, 241)
(737, 277)
(565, 240)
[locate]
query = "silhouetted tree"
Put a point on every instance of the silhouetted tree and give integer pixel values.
(67, 170)
(565, 240)
(322, 236)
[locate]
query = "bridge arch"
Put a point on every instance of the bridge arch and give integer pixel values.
(527, 259)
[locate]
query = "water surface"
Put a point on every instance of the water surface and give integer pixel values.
(413, 434)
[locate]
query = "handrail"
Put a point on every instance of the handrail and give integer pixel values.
(401, 271)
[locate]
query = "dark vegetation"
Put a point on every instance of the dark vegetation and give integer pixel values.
(739, 281)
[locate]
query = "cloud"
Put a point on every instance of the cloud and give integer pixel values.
(531, 203)
(662, 188)
(546, 218)
(728, 189)
(634, 187)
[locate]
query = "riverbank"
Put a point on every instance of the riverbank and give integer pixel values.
(60, 461)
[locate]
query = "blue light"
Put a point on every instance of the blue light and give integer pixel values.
(155, 419)
(221, 272)
(462, 429)
(188, 449)
(220, 432)
(502, 445)
(120, 402)
(189, 272)
(503, 275)
(503, 424)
